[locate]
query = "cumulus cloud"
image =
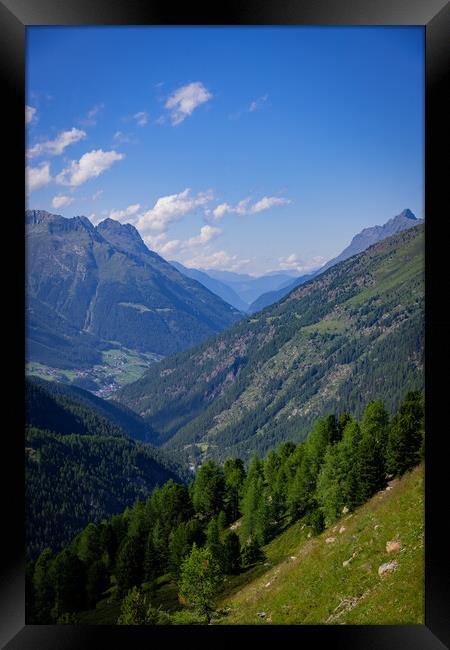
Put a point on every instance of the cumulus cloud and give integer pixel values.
(37, 177)
(170, 209)
(141, 118)
(90, 165)
(268, 202)
(185, 100)
(120, 214)
(30, 114)
(60, 201)
(257, 104)
(180, 246)
(56, 147)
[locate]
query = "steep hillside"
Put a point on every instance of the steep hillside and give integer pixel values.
(68, 402)
(92, 289)
(353, 334)
(81, 467)
(334, 578)
(359, 243)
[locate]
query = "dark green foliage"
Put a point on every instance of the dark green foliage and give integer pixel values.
(43, 588)
(136, 609)
(129, 564)
(208, 490)
(251, 553)
(406, 435)
(231, 552)
(83, 470)
(234, 479)
(69, 580)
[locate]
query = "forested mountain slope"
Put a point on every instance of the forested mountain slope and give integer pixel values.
(352, 334)
(81, 467)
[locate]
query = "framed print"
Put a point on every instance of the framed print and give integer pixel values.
(234, 331)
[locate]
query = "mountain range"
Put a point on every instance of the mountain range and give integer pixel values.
(351, 334)
(406, 219)
(91, 289)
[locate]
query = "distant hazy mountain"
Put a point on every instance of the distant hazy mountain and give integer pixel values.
(369, 236)
(247, 287)
(92, 288)
(359, 243)
(216, 286)
(271, 297)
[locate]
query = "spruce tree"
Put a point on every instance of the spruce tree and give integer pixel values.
(406, 435)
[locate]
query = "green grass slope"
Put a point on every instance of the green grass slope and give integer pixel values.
(304, 580)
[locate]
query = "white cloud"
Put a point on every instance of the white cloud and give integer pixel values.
(141, 118)
(122, 138)
(56, 147)
(90, 165)
(294, 263)
(220, 211)
(243, 208)
(37, 177)
(170, 247)
(91, 117)
(120, 214)
(257, 104)
(154, 241)
(206, 235)
(60, 200)
(97, 195)
(170, 209)
(268, 202)
(220, 260)
(185, 100)
(160, 120)
(30, 114)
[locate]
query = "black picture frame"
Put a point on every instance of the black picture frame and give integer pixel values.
(434, 16)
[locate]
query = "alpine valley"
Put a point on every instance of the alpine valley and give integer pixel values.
(241, 447)
(352, 334)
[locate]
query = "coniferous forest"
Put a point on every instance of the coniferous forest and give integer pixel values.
(193, 536)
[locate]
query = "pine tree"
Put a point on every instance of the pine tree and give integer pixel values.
(231, 552)
(213, 541)
(234, 479)
(406, 436)
(208, 490)
(43, 588)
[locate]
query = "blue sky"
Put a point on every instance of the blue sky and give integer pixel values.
(247, 149)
